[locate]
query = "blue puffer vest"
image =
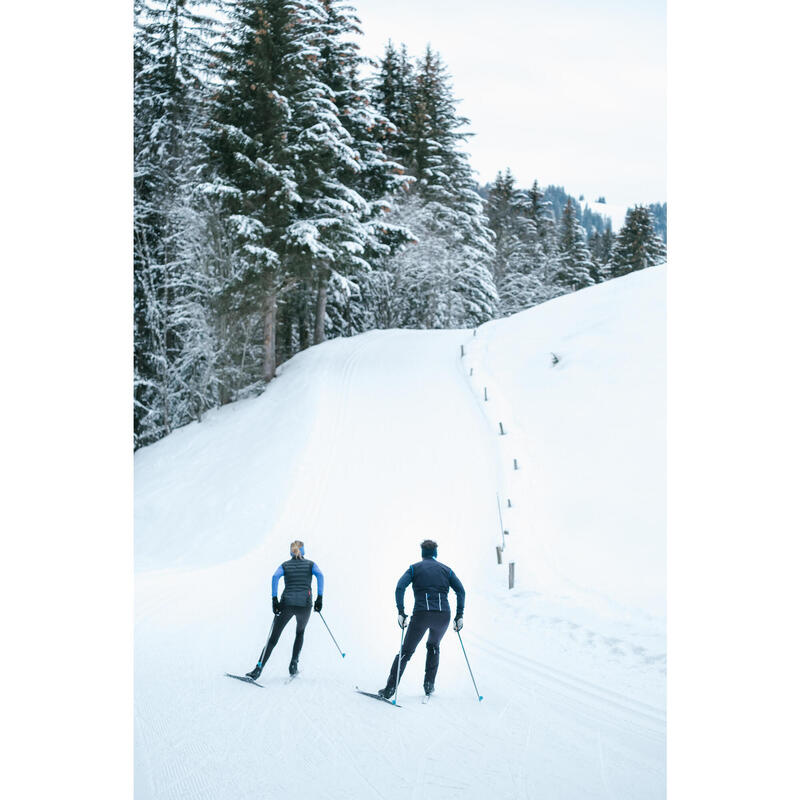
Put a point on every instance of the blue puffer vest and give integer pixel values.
(297, 582)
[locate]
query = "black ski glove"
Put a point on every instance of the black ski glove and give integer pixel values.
(458, 622)
(318, 603)
(276, 606)
(401, 619)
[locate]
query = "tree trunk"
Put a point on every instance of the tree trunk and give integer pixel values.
(303, 327)
(322, 300)
(270, 316)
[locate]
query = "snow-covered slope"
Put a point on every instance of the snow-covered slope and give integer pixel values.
(363, 447)
(616, 212)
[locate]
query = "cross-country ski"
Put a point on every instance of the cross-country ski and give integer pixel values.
(377, 696)
(244, 679)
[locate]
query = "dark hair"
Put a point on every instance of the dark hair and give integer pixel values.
(428, 548)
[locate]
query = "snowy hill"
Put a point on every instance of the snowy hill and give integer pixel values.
(615, 212)
(363, 447)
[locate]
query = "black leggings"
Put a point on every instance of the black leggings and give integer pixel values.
(436, 623)
(303, 613)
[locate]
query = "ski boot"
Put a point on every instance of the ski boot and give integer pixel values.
(386, 693)
(255, 672)
(293, 667)
(428, 687)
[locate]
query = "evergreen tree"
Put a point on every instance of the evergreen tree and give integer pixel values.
(600, 245)
(344, 177)
(574, 270)
(502, 216)
(174, 348)
(540, 210)
(637, 245)
(265, 62)
(520, 265)
(392, 94)
(448, 272)
(659, 214)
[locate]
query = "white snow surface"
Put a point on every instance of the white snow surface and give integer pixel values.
(362, 447)
(616, 212)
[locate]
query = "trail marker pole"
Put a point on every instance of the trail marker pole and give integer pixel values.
(499, 554)
(500, 514)
(511, 574)
(480, 696)
(329, 631)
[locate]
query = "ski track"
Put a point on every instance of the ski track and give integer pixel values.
(200, 735)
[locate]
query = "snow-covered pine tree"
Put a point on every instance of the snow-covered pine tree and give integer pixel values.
(519, 262)
(637, 245)
(392, 93)
(600, 245)
(447, 274)
(659, 214)
(264, 69)
(537, 208)
(174, 349)
(501, 216)
(574, 268)
(344, 178)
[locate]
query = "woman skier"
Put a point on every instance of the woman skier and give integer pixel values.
(431, 581)
(295, 602)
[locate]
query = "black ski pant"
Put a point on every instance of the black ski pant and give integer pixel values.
(435, 622)
(302, 613)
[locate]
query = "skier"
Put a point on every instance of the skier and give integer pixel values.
(295, 602)
(431, 581)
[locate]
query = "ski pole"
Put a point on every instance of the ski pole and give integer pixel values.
(480, 696)
(329, 631)
(399, 659)
(269, 636)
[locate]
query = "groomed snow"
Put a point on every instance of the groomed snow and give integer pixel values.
(363, 447)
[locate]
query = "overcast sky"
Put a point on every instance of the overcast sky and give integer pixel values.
(571, 92)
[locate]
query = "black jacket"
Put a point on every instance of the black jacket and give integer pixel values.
(431, 582)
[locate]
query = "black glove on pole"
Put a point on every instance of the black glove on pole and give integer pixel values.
(318, 603)
(276, 606)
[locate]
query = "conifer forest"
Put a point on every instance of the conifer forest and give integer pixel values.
(288, 190)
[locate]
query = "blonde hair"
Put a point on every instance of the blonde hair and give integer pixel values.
(294, 548)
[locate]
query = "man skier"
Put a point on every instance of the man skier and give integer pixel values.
(295, 602)
(431, 581)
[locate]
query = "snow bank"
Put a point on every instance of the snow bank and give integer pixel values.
(589, 434)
